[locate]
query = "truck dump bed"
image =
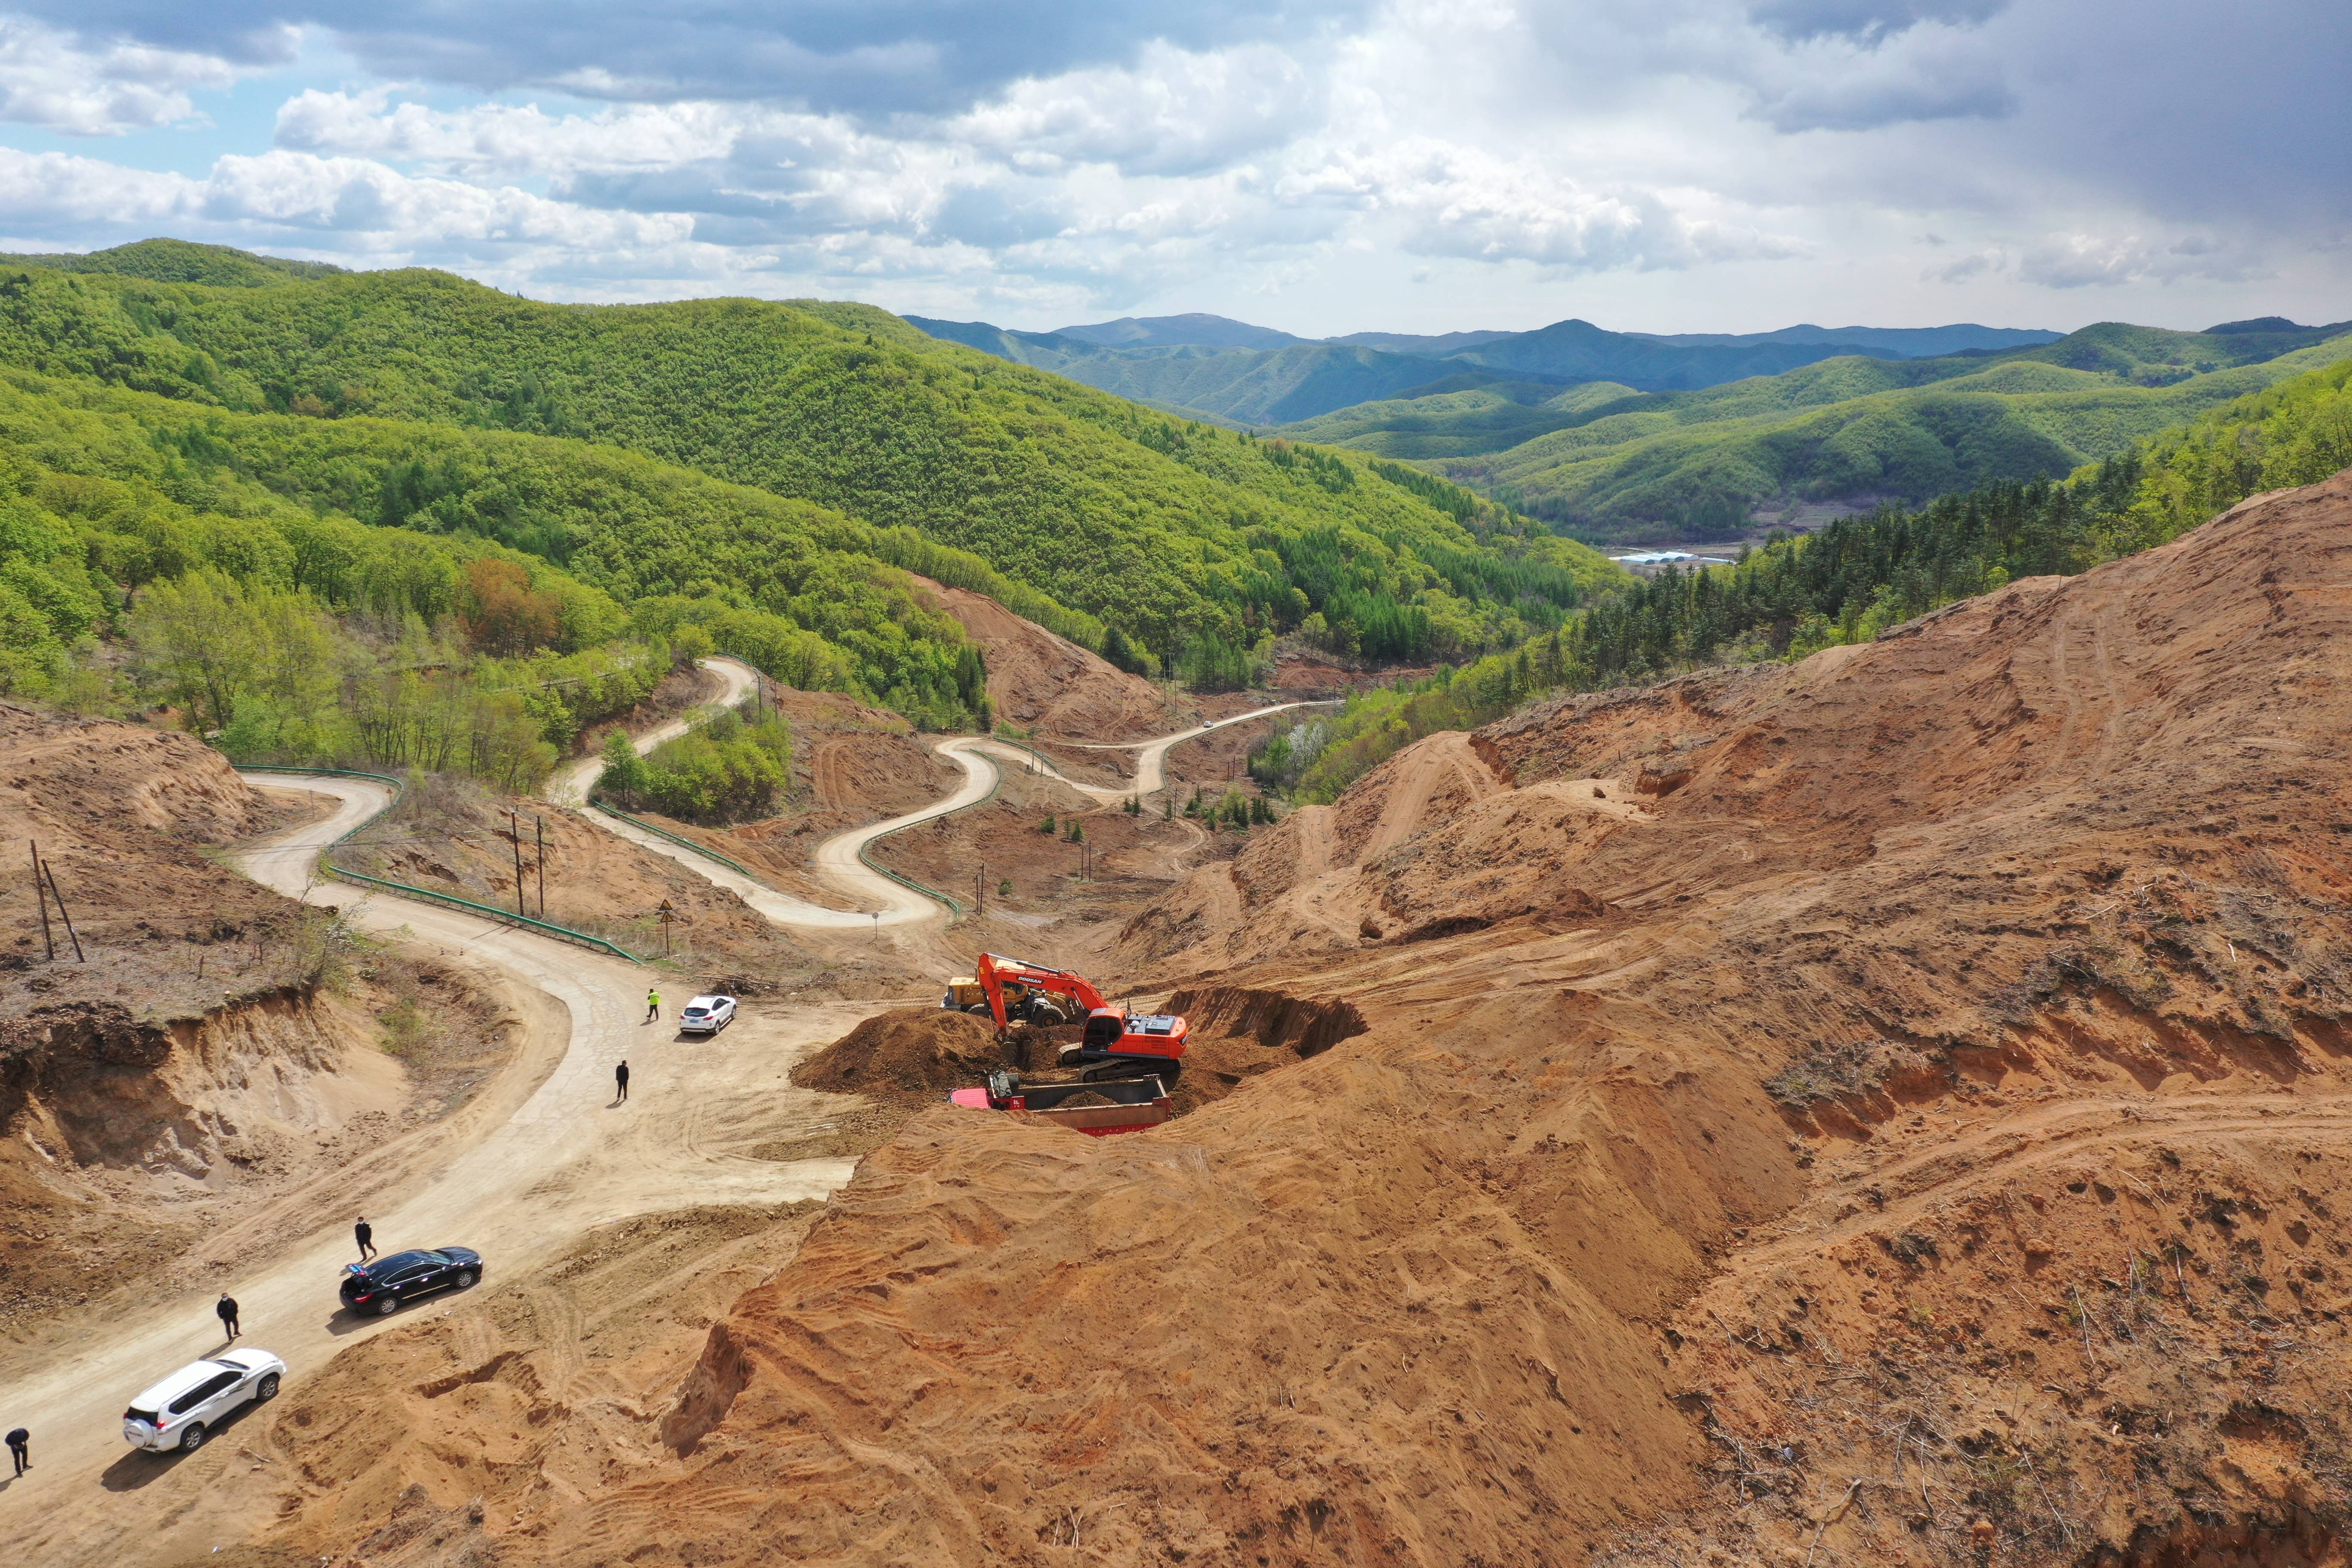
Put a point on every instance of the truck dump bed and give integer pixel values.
(1135, 1103)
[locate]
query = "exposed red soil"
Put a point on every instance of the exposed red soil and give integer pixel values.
(911, 1056)
(1682, 1012)
(1049, 684)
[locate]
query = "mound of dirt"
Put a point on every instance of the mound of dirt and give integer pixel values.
(912, 1055)
(1929, 1101)
(1051, 685)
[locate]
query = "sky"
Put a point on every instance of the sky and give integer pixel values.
(1323, 166)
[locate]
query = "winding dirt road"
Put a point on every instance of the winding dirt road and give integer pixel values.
(866, 893)
(564, 1160)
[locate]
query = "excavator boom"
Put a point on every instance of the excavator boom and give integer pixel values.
(1114, 1041)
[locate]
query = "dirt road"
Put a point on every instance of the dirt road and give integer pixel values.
(865, 892)
(1150, 756)
(868, 899)
(566, 1159)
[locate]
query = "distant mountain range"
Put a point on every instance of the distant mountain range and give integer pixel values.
(1616, 436)
(1232, 372)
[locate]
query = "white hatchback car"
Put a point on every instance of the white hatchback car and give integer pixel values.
(178, 1412)
(707, 1016)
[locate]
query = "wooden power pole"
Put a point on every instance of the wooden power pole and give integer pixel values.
(40, 896)
(514, 826)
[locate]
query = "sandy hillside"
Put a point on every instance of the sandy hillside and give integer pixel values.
(1805, 1112)
(1051, 685)
(215, 1052)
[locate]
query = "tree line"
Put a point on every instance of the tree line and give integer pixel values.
(1851, 580)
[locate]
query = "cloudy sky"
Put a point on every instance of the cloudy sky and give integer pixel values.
(1319, 165)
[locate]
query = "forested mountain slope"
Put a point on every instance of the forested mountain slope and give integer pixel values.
(1230, 372)
(1856, 578)
(1179, 535)
(371, 592)
(1855, 430)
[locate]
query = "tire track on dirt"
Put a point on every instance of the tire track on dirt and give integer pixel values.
(561, 1162)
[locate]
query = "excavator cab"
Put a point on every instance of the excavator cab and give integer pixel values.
(1115, 1043)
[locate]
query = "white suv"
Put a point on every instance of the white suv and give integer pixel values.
(178, 1412)
(707, 1016)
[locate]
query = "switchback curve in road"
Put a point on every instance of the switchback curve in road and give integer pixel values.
(1152, 755)
(875, 900)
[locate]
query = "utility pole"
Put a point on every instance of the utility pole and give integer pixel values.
(42, 896)
(979, 890)
(62, 915)
(515, 821)
(541, 863)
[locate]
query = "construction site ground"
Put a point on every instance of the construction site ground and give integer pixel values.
(1892, 1108)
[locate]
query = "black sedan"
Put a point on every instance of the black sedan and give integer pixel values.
(381, 1286)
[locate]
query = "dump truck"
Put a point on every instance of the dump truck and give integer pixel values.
(1125, 1105)
(966, 995)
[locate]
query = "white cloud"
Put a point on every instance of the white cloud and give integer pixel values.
(51, 79)
(1684, 163)
(503, 138)
(2079, 260)
(1175, 113)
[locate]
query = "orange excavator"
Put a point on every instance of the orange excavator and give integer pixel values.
(1116, 1044)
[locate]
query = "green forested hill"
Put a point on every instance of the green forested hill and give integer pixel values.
(1180, 535)
(182, 261)
(1699, 463)
(1460, 418)
(1856, 577)
(373, 547)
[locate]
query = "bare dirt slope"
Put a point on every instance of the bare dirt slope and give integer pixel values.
(1891, 1108)
(1049, 684)
(215, 1050)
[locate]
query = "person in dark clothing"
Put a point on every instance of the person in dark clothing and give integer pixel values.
(20, 1448)
(226, 1307)
(365, 1233)
(621, 1077)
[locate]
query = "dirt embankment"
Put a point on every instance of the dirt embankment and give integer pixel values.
(910, 1057)
(217, 1049)
(1852, 1101)
(1052, 686)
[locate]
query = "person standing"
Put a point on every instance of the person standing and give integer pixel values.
(364, 1234)
(652, 1005)
(20, 1448)
(226, 1308)
(620, 1079)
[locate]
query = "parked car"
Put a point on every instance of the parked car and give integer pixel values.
(381, 1286)
(707, 1016)
(180, 1410)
